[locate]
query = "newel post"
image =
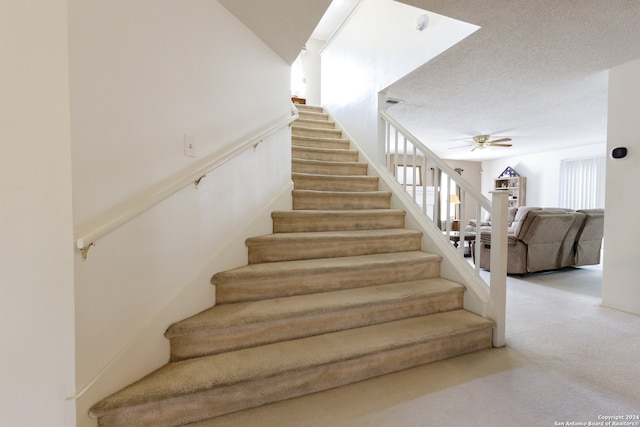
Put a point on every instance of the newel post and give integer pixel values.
(498, 266)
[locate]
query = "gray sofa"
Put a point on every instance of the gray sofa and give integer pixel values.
(541, 239)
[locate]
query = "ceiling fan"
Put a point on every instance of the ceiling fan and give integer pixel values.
(484, 141)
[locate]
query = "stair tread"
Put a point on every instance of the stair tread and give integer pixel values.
(304, 120)
(342, 193)
(330, 181)
(342, 235)
(322, 265)
(297, 127)
(295, 175)
(318, 139)
(337, 213)
(324, 150)
(190, 376)
(244, 313)
(313, 112)
(309, 107)
(316, 131)
(328, 162)
(333, 220)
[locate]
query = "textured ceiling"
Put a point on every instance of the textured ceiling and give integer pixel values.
(534, 71)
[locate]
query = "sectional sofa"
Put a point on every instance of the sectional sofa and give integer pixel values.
(542, 239)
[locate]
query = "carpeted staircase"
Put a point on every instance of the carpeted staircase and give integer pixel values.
(340, 292)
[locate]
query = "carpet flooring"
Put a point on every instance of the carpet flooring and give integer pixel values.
(568, 361)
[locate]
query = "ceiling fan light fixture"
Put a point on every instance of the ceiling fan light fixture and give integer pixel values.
(481, 139)
(484, 141)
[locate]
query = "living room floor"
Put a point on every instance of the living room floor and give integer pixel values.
(567, 359)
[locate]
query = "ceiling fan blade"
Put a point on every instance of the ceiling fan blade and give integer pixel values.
(499, 145)
(498, 140)
(461, 146)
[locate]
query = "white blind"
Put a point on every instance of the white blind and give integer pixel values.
(582, 183)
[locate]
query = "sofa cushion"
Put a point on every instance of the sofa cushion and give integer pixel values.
(511, 216)
(519, 218)
(544, 233)
(485, 223)
(522, 213)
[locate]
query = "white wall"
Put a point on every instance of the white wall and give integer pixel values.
(305, 75)
(36, 255)
(142, 75)
(542, 171)
(621, 287)
(358, 63)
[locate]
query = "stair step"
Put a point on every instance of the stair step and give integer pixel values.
(325, 154)
(286, 278)
(313, 123)
(309, 108)
(336, 200)
(322, 133)
(313, 115)
(328, 168)
(330, 244)
(310, 181)
(229, 327)
(310, 141)
(359, 219)
(197, 389)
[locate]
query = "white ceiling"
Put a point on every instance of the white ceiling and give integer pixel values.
(284, 25)
(333, 17)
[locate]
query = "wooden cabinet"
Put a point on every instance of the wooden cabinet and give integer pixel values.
(515, 184)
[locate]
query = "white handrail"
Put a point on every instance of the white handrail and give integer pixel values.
(87, 234)
(396, 140)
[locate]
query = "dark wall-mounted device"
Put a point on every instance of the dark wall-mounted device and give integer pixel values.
(619, 152)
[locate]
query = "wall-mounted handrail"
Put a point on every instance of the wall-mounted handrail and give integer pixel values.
(403, 149)
(86, 235)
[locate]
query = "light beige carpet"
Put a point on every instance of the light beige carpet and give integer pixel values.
(567, 359)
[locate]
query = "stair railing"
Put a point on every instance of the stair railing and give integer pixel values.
(86, 235)
(428, 181)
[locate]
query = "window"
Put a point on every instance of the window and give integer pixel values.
(582, 183)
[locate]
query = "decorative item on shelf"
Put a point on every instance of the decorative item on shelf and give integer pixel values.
(509, 172)
(514, 184)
